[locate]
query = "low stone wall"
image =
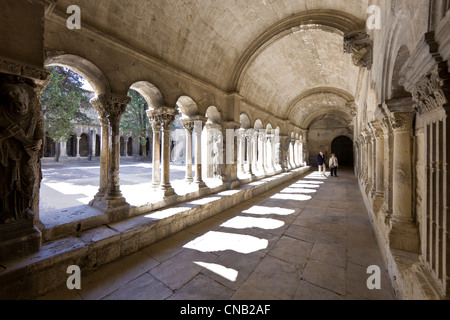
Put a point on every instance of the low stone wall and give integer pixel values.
(408, 276)
(45, 271)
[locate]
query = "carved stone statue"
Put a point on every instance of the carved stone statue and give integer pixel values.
(21, 137)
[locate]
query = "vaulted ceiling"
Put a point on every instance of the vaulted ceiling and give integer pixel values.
(274, 53)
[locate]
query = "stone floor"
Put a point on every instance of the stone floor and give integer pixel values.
(308, 240)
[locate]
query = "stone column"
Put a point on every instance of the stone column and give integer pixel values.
(249, 134)
(63, 151)
(78, 147)
(241, 162)
(379, 167)
(114, 106)
(104, 151)
(388, 164)
(404, 234)
(188, 125)
(254, 139)
(292, 154)
(199, 123)
(230, 144)
(165, 116)
(262, 136)
(283, 154)
(156, 165)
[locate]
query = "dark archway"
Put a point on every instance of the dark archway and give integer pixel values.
(343, 148)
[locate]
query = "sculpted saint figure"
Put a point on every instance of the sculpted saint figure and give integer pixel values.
(21, 137)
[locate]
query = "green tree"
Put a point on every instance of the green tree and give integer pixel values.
(63, 102)
(135, 120)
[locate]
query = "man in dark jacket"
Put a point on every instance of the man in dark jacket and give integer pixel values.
(321, 163)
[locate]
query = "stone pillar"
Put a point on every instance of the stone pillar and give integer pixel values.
(291, 154)
(113, 106)
(262, 136)
(230, 144)
(241, 162)
(379, 167)
(404, 234)
(188, 125)
(63, 151)
(249, 134)
(199, 123)
(254, 139)
(156, 165)
(283, 153)
(165, 117)
(78, 147)
(104, 157)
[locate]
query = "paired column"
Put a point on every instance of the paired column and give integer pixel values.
(164, 118)
(249, 134)
(112, 107)
(199, 123)
(188, 126)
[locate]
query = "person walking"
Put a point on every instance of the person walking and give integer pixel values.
(334, 165)
(321, 163)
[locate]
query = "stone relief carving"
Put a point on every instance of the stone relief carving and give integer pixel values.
(21, 138)
(359, 45)
(429, 93)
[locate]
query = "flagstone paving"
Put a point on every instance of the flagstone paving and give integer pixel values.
(310, 239)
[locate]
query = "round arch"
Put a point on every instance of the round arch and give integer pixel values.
(84, 68)
(342, 147)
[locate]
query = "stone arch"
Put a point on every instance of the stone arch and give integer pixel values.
(245, 121)
(188, 107)
(343, 148)
(213, 115)
(150, 92)
(397, 90)
(84, 68)
(258, 125)
(329, 20)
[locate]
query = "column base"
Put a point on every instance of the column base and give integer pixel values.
(404, 235)
(201, 184)
(19, 239)
(167, 190)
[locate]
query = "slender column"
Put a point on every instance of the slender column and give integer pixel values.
(156, 166)
(78, 147)
(388, 164)
(199, 123)
(115, 107)
(254, 139)
(63, 151)
(189, 128)
(249, 136)
(404, 233)
(291, 154)
(379, 167)
(242, 150)
(166, 117)
(104, 151)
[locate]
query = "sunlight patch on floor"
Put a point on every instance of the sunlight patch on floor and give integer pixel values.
(262, 210)
(227, 273)
(249, 222)
(214, 241)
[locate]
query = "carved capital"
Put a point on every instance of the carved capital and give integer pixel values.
(430, 93)
(401, 121)
(110, 106)
(164, 116)
(359, 45)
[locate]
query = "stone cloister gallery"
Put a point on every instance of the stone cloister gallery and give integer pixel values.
(259, 87)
